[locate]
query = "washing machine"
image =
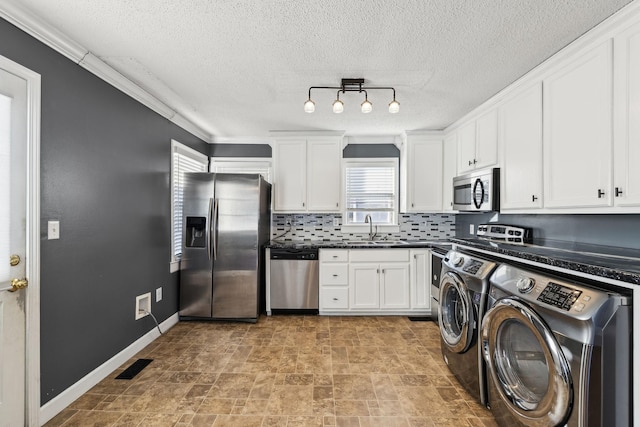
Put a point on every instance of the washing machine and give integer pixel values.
(558, 351)
(463, 295)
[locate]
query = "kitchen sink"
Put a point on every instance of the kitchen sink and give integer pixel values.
(360, 243)
(391, 242)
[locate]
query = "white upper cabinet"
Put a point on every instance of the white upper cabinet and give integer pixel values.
(521, 140)
(290, 175)
(307, 174)
(578, 131)
(323, 175)
(421, 181)
(478, 142)
(626, 183)
(449, 170)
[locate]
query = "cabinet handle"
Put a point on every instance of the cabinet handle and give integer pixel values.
(335, 256)
(335, 299)
(337, 205)
(534, 198)
(600, 194)
(475, 161)
(618, 191)
(378, 271)
(383, 271)
(303, 204)
(412, 204)
(469, 162)
(335, 275)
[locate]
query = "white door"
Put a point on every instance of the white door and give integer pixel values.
(364, 286)
(323, 175)
(425, 176)
(19, 122)
(290, 184)
(13, 127)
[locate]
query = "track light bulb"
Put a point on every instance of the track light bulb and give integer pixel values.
(394, 107)
(366, 106)
(309, 106)
(338, 106)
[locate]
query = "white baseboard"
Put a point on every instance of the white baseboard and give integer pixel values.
(64, 399)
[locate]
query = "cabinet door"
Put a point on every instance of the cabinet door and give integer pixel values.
(627, 113)
(323, 175)
(450, 148)
(521, 140)
(394, 286)
(467, 147)
(364, 286)
(290, 175)
(421, 279)
(424, 174)
(486, 140)
(577, 131)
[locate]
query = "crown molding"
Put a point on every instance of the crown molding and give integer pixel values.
(61, 43)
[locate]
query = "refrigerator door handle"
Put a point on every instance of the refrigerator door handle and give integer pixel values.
(209, 229)
(215, 229)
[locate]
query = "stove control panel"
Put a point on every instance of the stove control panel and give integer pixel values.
(504, 233)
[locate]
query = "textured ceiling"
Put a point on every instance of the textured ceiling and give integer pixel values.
(240, 68)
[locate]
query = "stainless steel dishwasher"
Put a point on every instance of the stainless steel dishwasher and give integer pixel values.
(294, 279)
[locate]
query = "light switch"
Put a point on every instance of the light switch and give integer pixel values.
(53, 230)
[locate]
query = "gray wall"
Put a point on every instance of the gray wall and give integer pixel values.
(240, 150)
(609, 230)
(370, 150)
(105, 175)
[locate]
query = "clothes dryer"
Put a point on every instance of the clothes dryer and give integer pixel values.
(558, 351)
(463, 294)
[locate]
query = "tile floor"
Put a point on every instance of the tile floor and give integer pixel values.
(286, 371)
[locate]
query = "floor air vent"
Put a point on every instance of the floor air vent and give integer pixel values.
(134, 369)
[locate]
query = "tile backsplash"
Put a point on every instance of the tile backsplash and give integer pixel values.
(321, 227)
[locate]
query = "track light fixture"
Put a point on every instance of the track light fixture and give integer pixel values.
(352, 85)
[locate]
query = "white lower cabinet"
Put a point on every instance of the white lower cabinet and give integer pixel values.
(420, 279)
(374, 281)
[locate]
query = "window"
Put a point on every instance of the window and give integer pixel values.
(183, 159)
(371, 188)
(242, 165)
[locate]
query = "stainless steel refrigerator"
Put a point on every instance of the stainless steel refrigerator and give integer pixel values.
(226, 220)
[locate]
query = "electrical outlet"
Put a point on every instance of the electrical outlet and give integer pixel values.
(336, 222)
(159, 294)
(471, 229)
(143, 305)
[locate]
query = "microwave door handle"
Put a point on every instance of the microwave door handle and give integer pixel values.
(476, 202)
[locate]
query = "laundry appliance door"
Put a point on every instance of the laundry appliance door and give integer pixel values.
(456, 316)
(526, 365)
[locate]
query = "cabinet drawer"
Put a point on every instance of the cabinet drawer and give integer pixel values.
(334, 255)
(334, 298)
(380, 255)
(334, 274)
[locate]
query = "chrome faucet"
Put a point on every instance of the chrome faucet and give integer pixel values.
(368, 220)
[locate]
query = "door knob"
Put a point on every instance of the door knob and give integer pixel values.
(14, 260)
(18, 284)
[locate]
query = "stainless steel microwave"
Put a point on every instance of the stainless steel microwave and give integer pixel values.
(477, 191)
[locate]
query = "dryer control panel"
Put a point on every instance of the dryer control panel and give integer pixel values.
(561, 296)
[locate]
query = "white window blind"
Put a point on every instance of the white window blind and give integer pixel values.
(371, 189)
(184, 159)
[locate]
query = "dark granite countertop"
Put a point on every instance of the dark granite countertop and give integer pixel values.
(353, 244)
(620, 264)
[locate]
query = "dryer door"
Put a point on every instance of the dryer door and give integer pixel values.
(526, 364)
(456, 315)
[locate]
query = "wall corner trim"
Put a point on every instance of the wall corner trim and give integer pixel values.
(64, 399)
(58, 41)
